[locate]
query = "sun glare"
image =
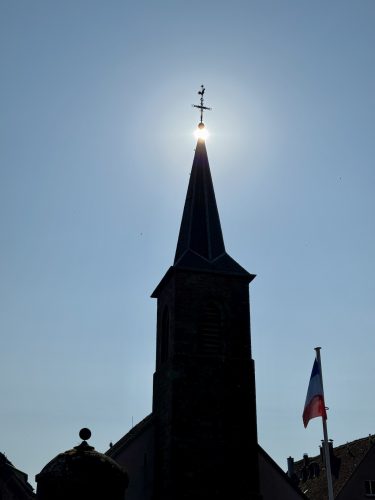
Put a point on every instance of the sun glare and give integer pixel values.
(201, 132)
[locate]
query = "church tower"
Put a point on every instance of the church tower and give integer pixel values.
(204, 402)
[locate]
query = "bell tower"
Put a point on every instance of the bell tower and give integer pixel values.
(204, 401)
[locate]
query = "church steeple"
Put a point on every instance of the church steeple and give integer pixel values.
(204, 384)
(200, 243)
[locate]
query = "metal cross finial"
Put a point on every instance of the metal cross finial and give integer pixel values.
(201, 107)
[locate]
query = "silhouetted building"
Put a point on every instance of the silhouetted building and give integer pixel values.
(13, 482)
(353, 471)
(200, 442)
(82, 473)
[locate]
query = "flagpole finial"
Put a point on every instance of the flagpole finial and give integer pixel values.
(317, 349)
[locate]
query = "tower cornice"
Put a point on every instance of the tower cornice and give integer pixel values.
(245, 276)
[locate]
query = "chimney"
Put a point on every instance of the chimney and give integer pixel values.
(330, 450)
(305, 459)
(330, 446)
(290, 466)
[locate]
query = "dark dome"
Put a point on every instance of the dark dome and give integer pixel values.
(82, 473)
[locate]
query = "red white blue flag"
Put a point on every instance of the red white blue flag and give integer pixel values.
(314, 405)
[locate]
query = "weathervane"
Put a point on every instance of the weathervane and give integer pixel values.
(201, 107)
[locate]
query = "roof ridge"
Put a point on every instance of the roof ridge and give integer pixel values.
(340, 446)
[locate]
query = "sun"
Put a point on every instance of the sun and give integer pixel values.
(201, 132)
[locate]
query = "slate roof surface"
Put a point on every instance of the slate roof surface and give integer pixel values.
(200, 243)
(312, 478)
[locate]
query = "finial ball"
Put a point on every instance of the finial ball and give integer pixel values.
(85, 434)
(201, 125)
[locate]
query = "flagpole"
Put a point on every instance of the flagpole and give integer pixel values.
(325, 434)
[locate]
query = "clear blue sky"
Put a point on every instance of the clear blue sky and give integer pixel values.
(96, 149)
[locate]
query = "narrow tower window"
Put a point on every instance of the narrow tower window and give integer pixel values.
(210, 338)
(164, 338)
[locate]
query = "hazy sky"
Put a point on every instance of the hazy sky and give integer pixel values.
(96, 149)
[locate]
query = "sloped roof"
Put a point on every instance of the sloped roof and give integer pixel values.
(144, 424)
(130, 435)
(15, 479)
(278, 470)
(312, 479)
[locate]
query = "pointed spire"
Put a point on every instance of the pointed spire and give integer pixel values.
(200, 230)
(200, 243)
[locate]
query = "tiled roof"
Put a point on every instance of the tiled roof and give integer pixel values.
(311, 475)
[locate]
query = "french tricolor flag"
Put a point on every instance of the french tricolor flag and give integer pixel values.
(314, 405)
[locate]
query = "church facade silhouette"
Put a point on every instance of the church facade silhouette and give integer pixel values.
(200, 441)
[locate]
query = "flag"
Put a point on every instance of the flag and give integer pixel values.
(314, 404)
